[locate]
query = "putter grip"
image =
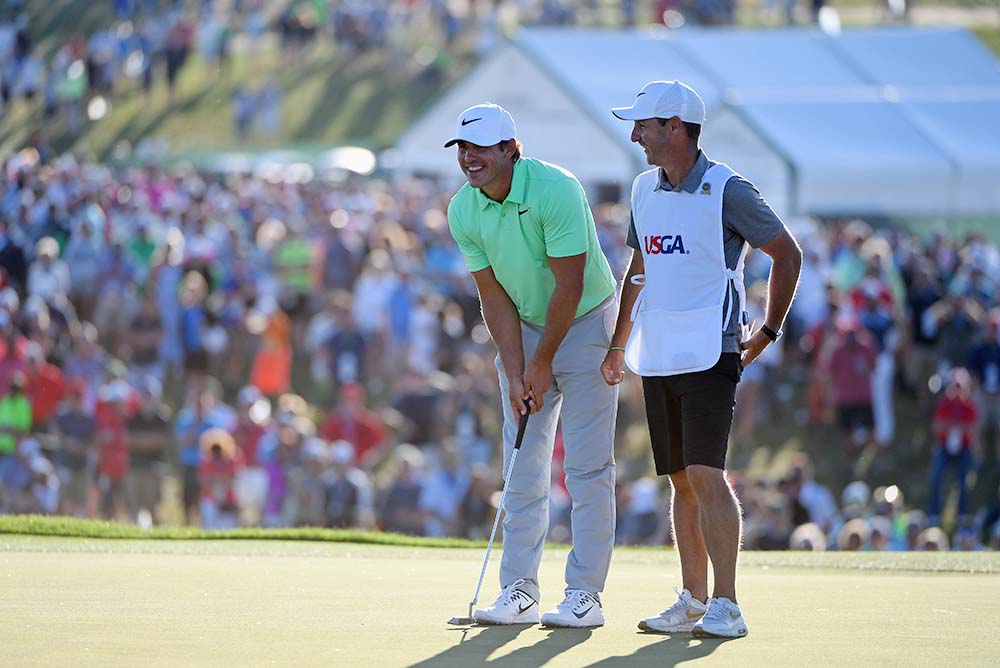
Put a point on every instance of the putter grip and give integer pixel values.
(521, 426)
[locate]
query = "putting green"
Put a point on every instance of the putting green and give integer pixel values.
(85, 602)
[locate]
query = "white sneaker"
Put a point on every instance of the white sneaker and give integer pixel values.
(723, 620)
(580, 609)
(513, 606)
(678, 618)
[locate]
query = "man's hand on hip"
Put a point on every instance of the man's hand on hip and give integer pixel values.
(537, 379)
(753, 347)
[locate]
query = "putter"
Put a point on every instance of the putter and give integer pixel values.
(467, 621)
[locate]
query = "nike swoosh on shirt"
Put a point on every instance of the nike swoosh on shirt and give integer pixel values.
(581, 615)
(521, 213)
(471, 120)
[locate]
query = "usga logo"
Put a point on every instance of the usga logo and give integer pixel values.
(666, 244)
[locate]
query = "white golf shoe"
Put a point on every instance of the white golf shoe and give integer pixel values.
(678, 618)
(722, 620)
(580, 609)
(513, 606)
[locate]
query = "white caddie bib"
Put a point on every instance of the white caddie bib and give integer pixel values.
(680, 314)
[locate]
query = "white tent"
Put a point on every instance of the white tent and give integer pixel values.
(896, 121)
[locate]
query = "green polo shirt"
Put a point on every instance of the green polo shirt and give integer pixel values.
(545, 215)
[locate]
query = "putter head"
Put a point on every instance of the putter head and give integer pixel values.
(461, 621)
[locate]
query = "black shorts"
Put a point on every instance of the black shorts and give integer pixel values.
(856, 416)
(690, 415)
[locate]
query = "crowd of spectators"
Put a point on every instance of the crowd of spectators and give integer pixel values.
(150, 42)
(232, 350)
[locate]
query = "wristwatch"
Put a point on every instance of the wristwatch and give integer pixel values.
(770, 333)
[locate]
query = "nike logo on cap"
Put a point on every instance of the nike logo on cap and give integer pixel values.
(471, 120)
(641, 94)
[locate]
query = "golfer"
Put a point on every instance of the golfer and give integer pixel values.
(682, 327)
(548, 298)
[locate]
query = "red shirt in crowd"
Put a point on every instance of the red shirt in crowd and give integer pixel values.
(850, 367)
(247, 436)
(45, 388)
(217, 477)
(955, 412)
(112, 445)
(363, 430)
(11, 361)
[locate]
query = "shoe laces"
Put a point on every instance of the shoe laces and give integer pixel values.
(578, 598)
(717, 609)
(511, 593)
(684, 599)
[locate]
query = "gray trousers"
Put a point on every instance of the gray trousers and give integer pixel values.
(588, 407)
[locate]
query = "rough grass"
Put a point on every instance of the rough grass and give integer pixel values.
(72, 527)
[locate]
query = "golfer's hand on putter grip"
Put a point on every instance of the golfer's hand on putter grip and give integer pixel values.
(535, 383)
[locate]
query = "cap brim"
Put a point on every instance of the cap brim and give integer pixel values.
(455, 141)
(627, 114)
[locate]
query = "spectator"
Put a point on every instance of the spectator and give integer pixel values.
(220, 464)
(201, 413)
(147, 432)
(253, 422)
(84, 255)
(143, 340)
(350, 420)
(272, 366)
(876, 316)
(112, 449)
(44, 387)
(956, 442)
(932, 539)
(444, 486)
(15, 416)
(12, 260)
(922, 294)
(808, 537)
(48, 276)
(984, 364)
(74, 429)
(479, 505)
(643, 517)
(850, 366)
(349, 491)
(400, 506)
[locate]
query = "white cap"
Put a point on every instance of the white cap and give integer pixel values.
(665, 99)
(484, 125)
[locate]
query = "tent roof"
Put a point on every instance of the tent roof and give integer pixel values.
(920, 58)
(904, 106)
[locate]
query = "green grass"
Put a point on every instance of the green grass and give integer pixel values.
(990, 37)
(57, 527)
(72, 527)
(123, 603)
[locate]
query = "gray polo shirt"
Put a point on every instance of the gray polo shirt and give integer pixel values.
(746, 216)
